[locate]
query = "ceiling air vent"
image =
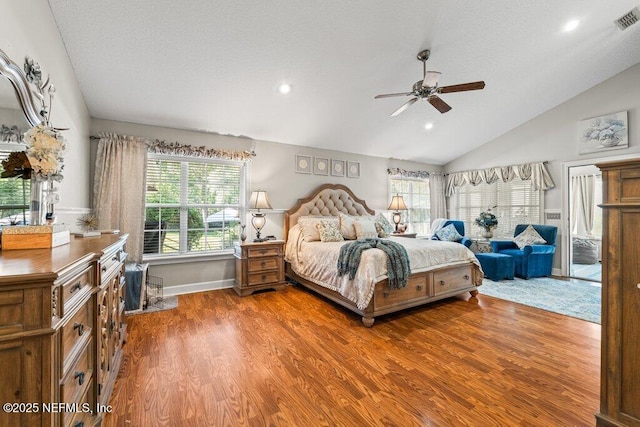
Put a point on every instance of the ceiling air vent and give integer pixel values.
(628, 19)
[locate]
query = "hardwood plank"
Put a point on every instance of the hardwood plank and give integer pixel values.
(292, 358)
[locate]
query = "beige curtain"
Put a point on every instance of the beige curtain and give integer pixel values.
(583, 206)
(436, 196)
(535, 172)
(119, 188)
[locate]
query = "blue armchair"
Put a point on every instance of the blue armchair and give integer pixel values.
(459, 225)
(532, 260)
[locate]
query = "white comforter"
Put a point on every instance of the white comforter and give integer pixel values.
(317, 262)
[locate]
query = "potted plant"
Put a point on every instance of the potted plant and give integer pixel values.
(487, 221)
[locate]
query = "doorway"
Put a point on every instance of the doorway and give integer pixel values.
(585, 223)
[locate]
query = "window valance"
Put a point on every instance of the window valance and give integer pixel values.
(536, 172)
(176, 149)
(408, 174)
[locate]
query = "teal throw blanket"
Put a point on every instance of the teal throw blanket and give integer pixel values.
(398, 269)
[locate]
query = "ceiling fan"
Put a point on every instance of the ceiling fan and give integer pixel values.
(428, 88)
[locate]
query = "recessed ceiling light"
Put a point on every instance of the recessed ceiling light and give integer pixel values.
(428, 126)
(284, 88)
(571, 25)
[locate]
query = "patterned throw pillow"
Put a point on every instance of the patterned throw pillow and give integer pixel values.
(529, 237)
(308, 226)
(365, 229)
(383, 226)
(329, 231)
(449, 234)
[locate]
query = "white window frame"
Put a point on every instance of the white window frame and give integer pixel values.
(409, 199)
(492, 196)
(184, 206)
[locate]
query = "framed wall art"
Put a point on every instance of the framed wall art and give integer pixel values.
(337, 167)
(353, 169)
(320, 166)
(608, 132)
(303, 163)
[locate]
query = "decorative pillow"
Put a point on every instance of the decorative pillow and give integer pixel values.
(529, 237)
(365, 229)
(329, 231)
(584, 251)
(347, 228)
(308, 226)
(383, 226)
(449, 234)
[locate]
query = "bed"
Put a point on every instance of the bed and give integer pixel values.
(450, 269)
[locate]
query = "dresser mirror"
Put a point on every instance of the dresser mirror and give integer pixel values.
(18, 111)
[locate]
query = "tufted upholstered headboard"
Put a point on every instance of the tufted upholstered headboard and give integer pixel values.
(326, 200)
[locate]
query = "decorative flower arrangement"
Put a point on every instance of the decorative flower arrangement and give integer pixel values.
(42, 159)
(487, 220)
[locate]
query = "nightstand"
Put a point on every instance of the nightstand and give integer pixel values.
(482, 246)
(259, 265)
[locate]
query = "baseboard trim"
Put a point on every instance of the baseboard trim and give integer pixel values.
(192, 288)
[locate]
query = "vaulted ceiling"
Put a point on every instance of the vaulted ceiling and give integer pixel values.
(215, 66)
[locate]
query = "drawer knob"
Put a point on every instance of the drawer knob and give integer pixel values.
(385, 294)
(75, 287)
(79, 424)
(264, 277)
(263, 264)
(80, 377)
(442, 283)
(419, 287)
(465, 277)
(79, 327)
(104, 269)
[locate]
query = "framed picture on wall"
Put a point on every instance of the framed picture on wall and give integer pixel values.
(337, 167)
(320, 166)
(303, 163)
(608, 132)
(353, 169)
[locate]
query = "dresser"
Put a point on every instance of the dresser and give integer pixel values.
(259, 265)
(62, 330)
(620, 360)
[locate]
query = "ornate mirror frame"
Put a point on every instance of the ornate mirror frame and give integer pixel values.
(23, 92)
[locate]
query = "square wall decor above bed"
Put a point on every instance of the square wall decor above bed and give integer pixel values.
(320, 166)
(337, 167)
(353, 169)
(303, 163)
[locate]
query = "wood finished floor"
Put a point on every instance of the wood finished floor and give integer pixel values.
(291, 358)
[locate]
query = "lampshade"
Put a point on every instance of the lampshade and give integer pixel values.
(259, 200)
(397, 204)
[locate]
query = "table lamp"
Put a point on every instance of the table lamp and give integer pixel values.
(397, 205)
(258, 200)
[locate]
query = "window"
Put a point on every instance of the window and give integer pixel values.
(515, 202)
(14, 196)
(415, 193)
(192, 205)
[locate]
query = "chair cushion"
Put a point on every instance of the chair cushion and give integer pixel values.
(529, 237)
(449, 234)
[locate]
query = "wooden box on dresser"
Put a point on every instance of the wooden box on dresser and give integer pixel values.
(61, 331)
(620, 362)
(259, 265)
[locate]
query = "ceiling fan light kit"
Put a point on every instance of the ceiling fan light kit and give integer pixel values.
(428, 88)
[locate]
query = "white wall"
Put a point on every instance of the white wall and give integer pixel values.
(273, 170)
(28, 29)
(553, 137)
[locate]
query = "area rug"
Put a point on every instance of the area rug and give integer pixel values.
(167, 303)
(571, 298)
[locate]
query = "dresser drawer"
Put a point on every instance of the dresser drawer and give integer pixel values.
(75, 332)
(78, 376)
(260, 264)
(264, 277)
(264, 251)
(83, 417)
(452, 280)
(416, 288)
(73, 289)
(111, 262)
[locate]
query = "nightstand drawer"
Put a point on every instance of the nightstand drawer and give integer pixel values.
(264, 277)
(263, 252)
(263, 264)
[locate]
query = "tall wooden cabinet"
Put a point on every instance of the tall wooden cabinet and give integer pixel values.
(61, 331)
(620, 366)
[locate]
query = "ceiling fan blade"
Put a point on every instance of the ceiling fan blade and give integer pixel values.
(461, 87)
(389, 95)
(404, 106)
(440, 105)
(431, 78)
